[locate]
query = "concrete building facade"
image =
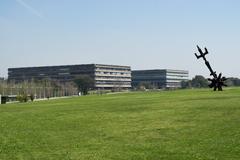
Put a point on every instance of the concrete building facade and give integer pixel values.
(105, 76)
(159, 78)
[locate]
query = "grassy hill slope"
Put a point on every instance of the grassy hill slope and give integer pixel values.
(184, 124)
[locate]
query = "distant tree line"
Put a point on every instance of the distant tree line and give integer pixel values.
(46, 88)
(233, 81)
(201, 82)
(30, 90)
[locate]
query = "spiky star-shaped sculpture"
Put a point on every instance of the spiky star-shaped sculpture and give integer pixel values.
(217, 81)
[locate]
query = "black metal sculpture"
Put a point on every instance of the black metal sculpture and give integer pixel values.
(217, 81)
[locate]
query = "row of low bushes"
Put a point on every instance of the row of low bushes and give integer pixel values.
(25, 98)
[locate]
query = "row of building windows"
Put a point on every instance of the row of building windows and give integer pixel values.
(111, 68)
(107, 82)
(113, 73)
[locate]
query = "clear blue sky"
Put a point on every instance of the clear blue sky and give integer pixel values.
(145, 34)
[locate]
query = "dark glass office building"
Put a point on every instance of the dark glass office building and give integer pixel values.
(159, 78)
(105, 76)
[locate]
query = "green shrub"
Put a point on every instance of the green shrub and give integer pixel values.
(22, 98)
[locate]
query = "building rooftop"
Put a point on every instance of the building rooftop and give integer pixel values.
(162, 70)
(92, 64)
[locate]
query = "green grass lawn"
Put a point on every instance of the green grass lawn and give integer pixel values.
(172, 125)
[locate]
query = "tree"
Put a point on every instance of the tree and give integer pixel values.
(186, 84)
(199, 82)
(84, 84)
